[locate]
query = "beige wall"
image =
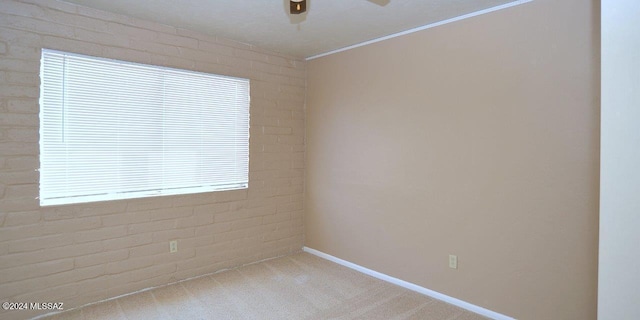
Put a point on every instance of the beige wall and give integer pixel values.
(83, 253)
(478, 138)
(619, 263)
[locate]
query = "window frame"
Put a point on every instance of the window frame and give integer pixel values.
(239, 105)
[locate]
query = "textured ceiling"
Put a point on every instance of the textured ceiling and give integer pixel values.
(328, 24)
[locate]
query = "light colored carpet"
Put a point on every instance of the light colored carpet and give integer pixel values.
(299, 286)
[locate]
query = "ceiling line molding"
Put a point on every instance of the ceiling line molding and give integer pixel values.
(428, 26)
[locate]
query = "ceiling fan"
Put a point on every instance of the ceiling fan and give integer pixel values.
(300, 6)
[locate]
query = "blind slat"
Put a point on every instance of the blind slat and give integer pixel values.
(117, 130)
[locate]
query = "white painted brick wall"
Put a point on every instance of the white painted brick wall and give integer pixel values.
(79, 254)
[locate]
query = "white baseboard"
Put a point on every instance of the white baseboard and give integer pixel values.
(411, 286)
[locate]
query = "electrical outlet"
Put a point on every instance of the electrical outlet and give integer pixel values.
(453, 261)
(173, 246)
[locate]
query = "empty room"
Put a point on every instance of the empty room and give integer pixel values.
(319, 159)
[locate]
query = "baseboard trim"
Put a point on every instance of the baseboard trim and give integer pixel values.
(408, 285)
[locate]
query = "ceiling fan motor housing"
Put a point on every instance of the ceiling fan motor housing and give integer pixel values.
(297, 6)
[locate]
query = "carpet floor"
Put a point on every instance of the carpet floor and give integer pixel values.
(299, 286)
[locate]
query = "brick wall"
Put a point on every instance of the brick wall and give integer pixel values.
(79, 254)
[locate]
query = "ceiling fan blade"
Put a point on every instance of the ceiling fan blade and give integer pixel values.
(380, 2)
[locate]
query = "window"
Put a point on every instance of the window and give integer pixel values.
(116, 130)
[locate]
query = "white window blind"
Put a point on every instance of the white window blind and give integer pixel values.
(115, 130)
